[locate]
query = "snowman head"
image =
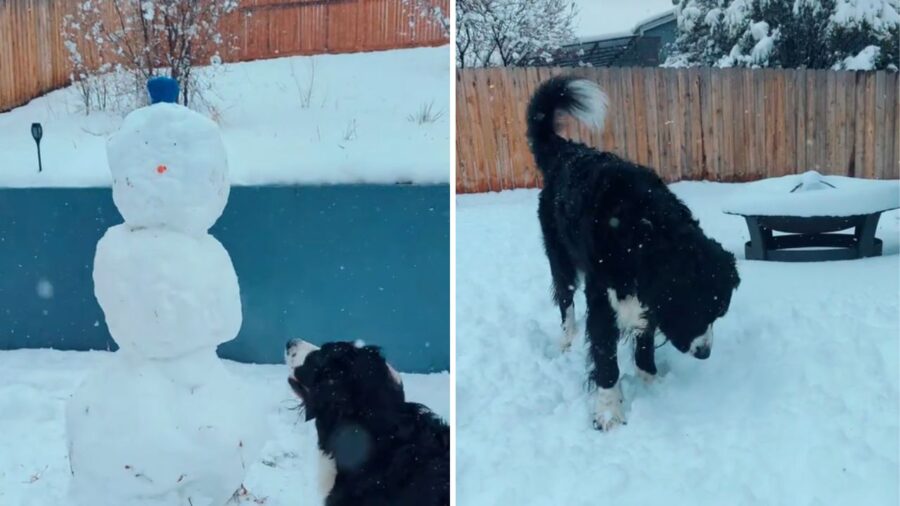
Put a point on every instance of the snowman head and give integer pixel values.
(169, 167)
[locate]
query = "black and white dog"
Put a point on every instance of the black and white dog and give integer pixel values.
(645, 261)
(376, 449)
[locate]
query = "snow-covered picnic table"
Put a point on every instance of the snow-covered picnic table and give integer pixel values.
(808, 209)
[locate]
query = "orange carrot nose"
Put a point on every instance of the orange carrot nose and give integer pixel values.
(161, 169)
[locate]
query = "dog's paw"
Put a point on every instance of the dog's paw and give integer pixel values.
(647, 377)
(608, 408)
(609, 419)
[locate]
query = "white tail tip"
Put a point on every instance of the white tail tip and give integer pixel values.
(590, 103)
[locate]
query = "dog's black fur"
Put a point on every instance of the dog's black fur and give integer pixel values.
(387, 452)
(619, 225)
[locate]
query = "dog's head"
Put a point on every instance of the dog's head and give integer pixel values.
(697, 292)
(341, 379)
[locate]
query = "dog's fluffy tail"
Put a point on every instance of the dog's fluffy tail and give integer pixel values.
(573, 95)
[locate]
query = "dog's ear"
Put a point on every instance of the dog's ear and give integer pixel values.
(332, 395)
(352, 383)
(733, 272)
(380, 357)
(375, 364)
(374, 352)
(395, 374)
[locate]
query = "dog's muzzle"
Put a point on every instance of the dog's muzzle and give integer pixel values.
(296, 351)
(701, 347)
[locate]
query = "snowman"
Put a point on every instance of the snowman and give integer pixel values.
(164, 423)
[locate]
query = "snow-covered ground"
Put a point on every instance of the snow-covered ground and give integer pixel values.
(798, 404)
(34, 387)
(357, 126)
(598, 18)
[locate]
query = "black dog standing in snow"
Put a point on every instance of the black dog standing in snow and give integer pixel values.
(376, 448)
(645, 261)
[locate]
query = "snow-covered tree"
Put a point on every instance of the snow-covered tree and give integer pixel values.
(511, 32)
(855, 34)
(139, 39)
(430, 11)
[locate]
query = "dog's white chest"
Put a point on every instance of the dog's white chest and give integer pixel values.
(327, 474)
(631, 314)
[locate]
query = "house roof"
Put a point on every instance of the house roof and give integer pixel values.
(638, 28)
(601, 52)
(655, 21)
(607, 49)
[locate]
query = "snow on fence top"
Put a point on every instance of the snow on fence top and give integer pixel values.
(353, 118)
(811, 194)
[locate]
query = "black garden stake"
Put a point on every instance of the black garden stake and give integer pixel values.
(37, 132)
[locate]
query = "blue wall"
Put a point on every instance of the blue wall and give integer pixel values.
(324, 263)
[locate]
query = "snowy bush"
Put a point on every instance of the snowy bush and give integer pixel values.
(305, 89)
(114, 46)
(350, 131)
(839, 34)
(511, 32)
(426, 114)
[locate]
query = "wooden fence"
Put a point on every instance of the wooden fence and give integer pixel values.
(32, 58)
(267, 28)
(700, 123)
(34, 61)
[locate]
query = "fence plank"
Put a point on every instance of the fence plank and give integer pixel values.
(871, 114)
(720, 138)
(820, 121)
(850, 127)
(618, 120)
(507, 121)
(880, 108)
(859, 118)
(777, 105)
(696, 136)
(830, 130)
(738, 110)
(757, 136)
(464, 144)
(681, 123)
(748, 125)
(692, 124)
(607, 139)
(709, 140)
(640, 115)
(789, 115)
(654, 122)
(848, 90)
(894, 128)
